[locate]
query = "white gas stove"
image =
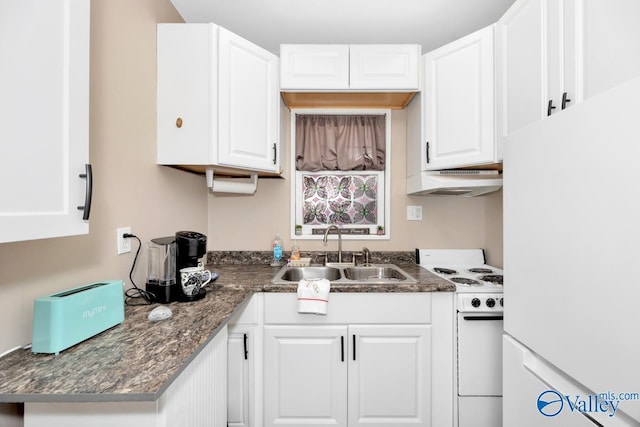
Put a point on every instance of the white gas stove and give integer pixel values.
(478, 285)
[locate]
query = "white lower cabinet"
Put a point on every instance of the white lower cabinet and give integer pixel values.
(244, 365)
(389, 375)
(305, 375)
(240, 375)
(375, 359)
(347, 375)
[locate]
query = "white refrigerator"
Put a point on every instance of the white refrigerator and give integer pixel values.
(571, 192)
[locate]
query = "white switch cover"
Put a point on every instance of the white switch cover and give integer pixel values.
(414, 213)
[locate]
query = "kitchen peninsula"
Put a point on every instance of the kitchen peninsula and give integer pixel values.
(135, 368)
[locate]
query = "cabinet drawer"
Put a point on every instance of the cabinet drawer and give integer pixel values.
(388, 308)
(249, 312)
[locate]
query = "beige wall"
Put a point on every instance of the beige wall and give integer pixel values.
(129, 188)
(250, 222)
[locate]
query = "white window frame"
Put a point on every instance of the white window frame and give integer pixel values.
(384, 213)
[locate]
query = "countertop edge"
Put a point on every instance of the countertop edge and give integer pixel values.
(244, 280)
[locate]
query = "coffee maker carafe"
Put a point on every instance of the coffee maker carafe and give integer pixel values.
(161, 282)
(190, 247)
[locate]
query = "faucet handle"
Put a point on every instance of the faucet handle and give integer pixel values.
(324, 255)
(354, 255)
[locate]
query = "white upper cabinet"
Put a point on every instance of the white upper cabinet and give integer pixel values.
(349, 67)
(554, 54)
(44, 105)
(384, 67)
(450, 123)
(218, 100)
(314, 67)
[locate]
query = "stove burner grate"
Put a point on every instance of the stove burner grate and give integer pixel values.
(481, 270)
(444, 270)
(465, 281)
(493, 278)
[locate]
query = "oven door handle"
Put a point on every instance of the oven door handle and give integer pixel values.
(483, 317)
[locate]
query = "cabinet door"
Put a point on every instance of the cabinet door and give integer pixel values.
(608, 44)
(384, 67)
(459, 103)
(187, 90)
(44, 145)
(522, 62)
(248, 105)
(390, 375)
(305, 375)
(314, 67)
(240, 376)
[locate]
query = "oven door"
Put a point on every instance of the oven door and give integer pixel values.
(480, 354)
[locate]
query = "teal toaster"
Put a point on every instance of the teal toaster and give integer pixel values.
(64, 319)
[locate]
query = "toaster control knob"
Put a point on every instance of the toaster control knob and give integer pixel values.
(501, 302)
(491, 303)
(475, 302)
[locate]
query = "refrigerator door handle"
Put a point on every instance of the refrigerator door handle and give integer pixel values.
(556, 380)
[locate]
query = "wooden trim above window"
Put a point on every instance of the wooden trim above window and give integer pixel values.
(390, 100)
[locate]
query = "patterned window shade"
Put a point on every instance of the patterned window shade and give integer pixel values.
(353, 200)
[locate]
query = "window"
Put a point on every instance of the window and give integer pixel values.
(341, 171)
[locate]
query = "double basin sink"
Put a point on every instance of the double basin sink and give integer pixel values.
(369, 274)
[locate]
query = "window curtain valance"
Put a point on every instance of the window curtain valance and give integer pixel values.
(340, 142)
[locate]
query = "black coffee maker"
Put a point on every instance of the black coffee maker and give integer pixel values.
(190, 247)
(166, 256)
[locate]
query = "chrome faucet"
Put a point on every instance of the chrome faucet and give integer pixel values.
(326, 232)
(367, 255)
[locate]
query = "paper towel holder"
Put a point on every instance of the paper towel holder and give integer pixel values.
(231, 185)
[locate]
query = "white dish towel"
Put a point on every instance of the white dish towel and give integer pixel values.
(313, 296)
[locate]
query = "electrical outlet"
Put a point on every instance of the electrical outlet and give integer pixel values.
(414, 213)
(124, 244)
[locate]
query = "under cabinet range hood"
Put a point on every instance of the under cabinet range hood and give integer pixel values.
(454, 182)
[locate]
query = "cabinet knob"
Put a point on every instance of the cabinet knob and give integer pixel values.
(179, 122)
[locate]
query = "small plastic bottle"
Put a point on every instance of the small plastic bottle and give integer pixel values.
(295, 251)
(277, 251)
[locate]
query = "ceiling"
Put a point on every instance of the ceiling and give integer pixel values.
(269, 23)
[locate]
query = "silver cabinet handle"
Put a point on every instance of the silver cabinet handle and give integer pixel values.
(86, 208)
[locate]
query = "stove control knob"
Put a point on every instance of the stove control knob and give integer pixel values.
(501, 302)
(491, 303)
(475, 302)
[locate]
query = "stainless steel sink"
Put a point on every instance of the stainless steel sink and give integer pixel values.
(347, 274)
(295, 274)
(367, 273)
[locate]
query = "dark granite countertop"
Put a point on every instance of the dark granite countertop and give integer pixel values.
(137, 360)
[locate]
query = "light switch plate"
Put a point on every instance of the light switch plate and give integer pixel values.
(414, 213)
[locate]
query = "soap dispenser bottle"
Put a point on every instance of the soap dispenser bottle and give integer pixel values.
(276, 260)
